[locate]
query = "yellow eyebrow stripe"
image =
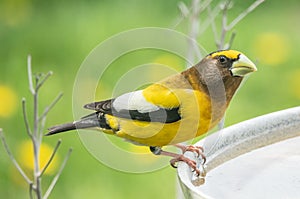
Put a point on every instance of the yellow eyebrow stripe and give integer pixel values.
(231, 54)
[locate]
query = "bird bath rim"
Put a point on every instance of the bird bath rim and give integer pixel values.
(239, 139)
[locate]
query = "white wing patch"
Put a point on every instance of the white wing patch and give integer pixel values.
(134, 101)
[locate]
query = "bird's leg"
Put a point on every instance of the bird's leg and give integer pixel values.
(180, 157)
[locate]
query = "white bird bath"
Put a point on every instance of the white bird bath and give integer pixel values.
(258, 158)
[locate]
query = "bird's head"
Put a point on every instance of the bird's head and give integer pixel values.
(221, 72)
(232, 61)
(224, 65)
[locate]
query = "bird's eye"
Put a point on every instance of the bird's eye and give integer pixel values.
(223, 59)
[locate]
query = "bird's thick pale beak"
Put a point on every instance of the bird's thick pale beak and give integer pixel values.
(242, 66)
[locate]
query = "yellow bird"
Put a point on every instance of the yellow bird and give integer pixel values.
(174, 110)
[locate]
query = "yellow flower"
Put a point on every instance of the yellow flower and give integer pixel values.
(271, 48)
(8, 101)
(14, 12)
(26, 157)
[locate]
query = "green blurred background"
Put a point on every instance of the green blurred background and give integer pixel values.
(60, 34)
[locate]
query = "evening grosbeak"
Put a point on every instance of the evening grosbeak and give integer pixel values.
(174, 110)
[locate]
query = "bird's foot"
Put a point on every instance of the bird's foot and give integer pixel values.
(192, 164)
(196, 166)
(195, 149)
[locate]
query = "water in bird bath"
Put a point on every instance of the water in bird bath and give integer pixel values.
(269, 172)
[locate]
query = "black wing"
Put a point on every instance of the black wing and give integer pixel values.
(161, 115)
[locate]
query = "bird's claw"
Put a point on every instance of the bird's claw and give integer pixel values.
(192, 164)
(198, 150)
(195, 149)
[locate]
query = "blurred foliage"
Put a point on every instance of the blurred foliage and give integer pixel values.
(60, 34)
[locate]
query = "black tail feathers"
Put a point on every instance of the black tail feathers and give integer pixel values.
(93, 120)
(61, 128)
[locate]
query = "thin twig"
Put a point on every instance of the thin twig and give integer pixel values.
(42, 118)
(229, 45)
(244, 14)
(13, 159)
(184, 10)
(210, 20)
(48, 108)
(29, 71)
(36, 142)
(35, 185)
(58, 174)
(224, 30)
(30, 190)
(38, 85)
(42, 127)
(28, 130)
(51, 158)
(35, 110)
(204, 5)
(193, 32)
(213, 24)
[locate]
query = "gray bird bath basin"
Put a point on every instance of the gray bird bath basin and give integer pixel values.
(257, 158)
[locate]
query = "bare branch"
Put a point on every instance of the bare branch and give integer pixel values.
(13, 159)
(224, 16)
(36, 141)
(245, 13)
(204, 5)
(29, 71)
(50, 188)
(184, 10)
(42, 127)
(51, 158)
(28, 130)
(30, 190)
(35, 186)
(224, 8)
(213, 24)
(48, 108)
(195, 7)
(193, 32)
(38, 86)
(229, 45)
(36, 171)
(210, 20)
(177, 21)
